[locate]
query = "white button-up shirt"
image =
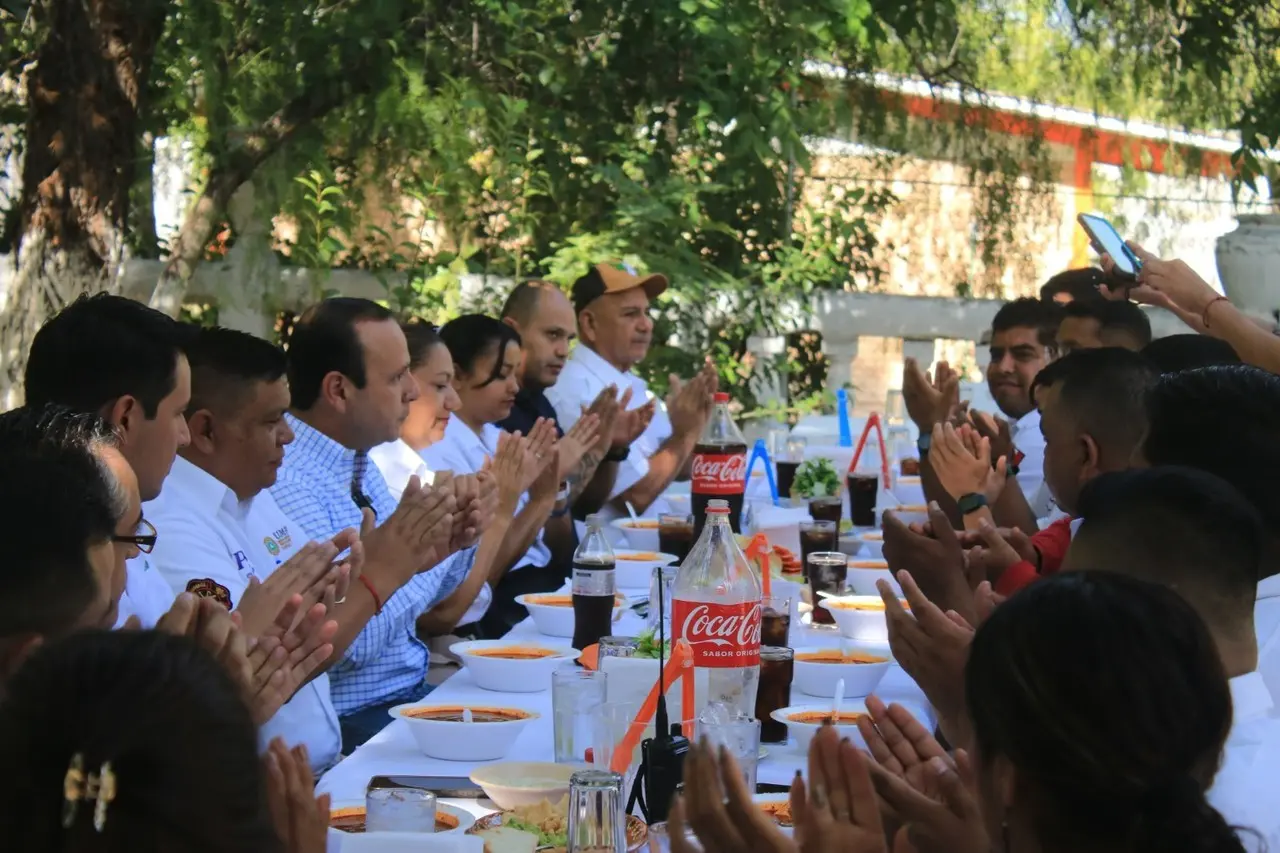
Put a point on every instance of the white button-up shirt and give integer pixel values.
(214, 541)
(585, 375)
(146, 594)
(1247, 787)
(398, 462)
(1266, 623)
(1028, 439)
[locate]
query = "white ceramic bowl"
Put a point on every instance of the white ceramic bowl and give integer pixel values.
(872, 545)
(530, 674)
(464, 820)
(523, 783)
(859, 617)
(910, 513)
(556, 620)
(679, 503)
(868, 665)
(643, 537)
(864, 572)
(802, 732)
(456, 741)
(634, 569)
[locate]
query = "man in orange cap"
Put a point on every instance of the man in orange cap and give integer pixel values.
(615, 330)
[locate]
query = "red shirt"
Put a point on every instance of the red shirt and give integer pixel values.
(1052, 544)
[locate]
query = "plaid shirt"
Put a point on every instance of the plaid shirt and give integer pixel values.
(318, 488)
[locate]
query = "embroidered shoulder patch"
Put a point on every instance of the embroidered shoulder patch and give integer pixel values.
(209, 588)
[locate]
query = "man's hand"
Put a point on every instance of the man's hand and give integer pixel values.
(547, 486)
(929, 401)
(415, 537)
(986, 600)
(936, 561)
(930, 646)
(962, 462)
(631, 424)
(1168, 284)
(995, 431)
(575, 443)
(287, 657)
(607, 409)
(538, 445)
(999, 551)
(261, 603)
(690, 404)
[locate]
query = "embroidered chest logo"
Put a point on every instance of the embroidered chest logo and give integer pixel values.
(209, 588)
(279, 540)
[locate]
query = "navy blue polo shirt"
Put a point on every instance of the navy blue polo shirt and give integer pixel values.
(530, 405)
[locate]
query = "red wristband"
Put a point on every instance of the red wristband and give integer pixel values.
(1204, 315)
(377, 600)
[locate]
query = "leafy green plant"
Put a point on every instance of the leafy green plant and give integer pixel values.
(817, 478)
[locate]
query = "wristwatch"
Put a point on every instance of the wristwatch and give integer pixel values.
(617, 454)
(562, 497)
(923, 443)
(971, 503)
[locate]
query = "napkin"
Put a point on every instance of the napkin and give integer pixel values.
(409, 842)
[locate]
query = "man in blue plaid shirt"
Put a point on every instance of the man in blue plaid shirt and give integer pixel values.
(351, 388)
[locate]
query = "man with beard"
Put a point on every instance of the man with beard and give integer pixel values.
(1022, 343)
(612, 308)
(543, 316)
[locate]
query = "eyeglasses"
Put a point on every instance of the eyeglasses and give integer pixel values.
(144, 539)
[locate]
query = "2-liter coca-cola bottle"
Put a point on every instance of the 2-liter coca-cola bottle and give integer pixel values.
(719, 470)
(716, 607)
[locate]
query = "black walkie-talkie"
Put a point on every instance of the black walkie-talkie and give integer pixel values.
(662, 756)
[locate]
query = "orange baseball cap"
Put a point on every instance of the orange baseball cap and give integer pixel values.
(603, 278)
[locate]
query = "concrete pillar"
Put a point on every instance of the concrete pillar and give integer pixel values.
(840, 357)
(768, 384)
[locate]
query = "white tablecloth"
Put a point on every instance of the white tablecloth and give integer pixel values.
(393, 751)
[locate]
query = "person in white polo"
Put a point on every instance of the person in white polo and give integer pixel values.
(615, 331)
(222, 529)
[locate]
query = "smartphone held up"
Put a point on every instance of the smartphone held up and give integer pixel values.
(1107, 241)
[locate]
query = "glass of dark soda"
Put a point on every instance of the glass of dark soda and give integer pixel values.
(862, 499)
(775, 621)
(826, 509)
(777, 667)
(675, 535)
(829, 573)
(816, 536)
(786, 476)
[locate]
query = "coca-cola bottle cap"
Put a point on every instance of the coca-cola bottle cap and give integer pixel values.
(721, 397)
(718, 506)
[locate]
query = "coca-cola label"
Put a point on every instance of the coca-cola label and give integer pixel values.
(719, 474)
(722, 635)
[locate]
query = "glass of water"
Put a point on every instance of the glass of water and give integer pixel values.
(575, 696)
(741, 737)
(400, 810)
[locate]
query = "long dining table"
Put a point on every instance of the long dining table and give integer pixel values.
(394, 752)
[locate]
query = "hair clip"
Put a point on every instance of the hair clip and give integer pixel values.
(76, 786)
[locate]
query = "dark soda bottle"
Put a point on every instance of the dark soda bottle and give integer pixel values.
(719, 470)
(594, 585)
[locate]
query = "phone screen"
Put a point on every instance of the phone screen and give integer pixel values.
(441, 786)
(1107, 240)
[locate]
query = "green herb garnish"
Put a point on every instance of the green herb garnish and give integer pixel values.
(647, 647)
(817, 478)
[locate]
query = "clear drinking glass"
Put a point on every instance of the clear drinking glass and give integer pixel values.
(399, 810)
(576, 694)
(666, 576)
(597, 806)
(618, 647)
(741, 737)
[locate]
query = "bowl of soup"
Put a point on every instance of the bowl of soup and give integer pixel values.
(862, 666)
(640, 533)
(859, 617)
(349, 818)
(910, 513)
(463, 731)
(872, 542)
(634, 569)
(803, 721)
(864, 572)
(552, 612)
(513, 666)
